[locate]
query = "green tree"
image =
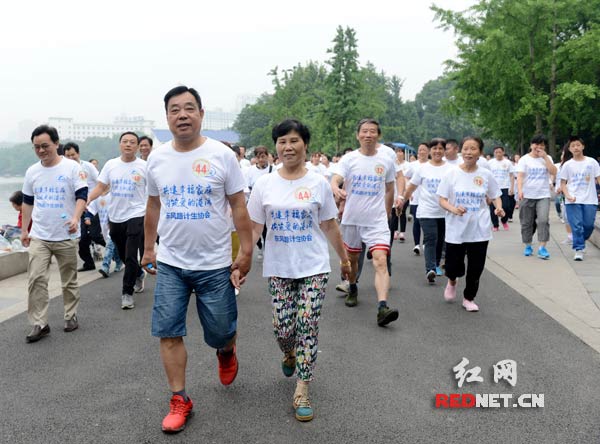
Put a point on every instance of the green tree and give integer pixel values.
(342, 105)
(514, 73)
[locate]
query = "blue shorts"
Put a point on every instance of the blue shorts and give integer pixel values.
(215, 302)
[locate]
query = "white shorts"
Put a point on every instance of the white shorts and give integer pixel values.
(375, 238)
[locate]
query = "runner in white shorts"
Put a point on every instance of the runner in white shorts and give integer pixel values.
(369, 193)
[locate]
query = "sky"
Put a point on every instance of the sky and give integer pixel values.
(96, 60)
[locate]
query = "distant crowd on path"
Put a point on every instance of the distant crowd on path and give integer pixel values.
(206, 206)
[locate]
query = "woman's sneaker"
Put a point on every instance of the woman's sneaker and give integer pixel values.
(301, 403)
(470, 305)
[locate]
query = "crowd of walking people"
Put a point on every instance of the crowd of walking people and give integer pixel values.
(193, 210)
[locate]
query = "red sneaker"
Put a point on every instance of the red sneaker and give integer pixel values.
(178, 414)
(228, 367)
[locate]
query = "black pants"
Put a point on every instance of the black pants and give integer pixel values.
(90, 233)
(403, 217)
(416, 225)
(505, 207)
(455, 264)
(128, 237)
(511, 207)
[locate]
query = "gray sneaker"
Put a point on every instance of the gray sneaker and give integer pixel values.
(127, 301)
(343, 286)
(139, 282)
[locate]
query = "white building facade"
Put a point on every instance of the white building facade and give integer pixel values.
(80, 131)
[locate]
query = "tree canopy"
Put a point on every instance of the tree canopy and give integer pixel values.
(526, 66)
(331, 98)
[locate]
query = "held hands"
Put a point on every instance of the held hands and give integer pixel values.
(459, 211)
(499, 212)
(570, 198)
(240, 268)
(339, 193)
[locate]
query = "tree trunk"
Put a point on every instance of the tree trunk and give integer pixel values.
(538, 116)
(552, 120)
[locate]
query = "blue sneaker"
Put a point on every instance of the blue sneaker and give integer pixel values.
(304, 410)
(528, 251)
(438, 271)
(543, 253)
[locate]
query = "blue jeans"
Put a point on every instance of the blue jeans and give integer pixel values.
(434, 233)
(111, 253)
(581, 219)
(215, 303)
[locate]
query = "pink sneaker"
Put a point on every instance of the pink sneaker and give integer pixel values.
(494, 228)
(450, 292)
(470, 305)
(505, 226)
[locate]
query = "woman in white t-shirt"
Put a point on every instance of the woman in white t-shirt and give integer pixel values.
(578, 178)
(429, 213)
(463, 192)
(298, 208)
(413, 167)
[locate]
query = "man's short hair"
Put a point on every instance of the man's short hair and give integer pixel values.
(146, 138)
(498, 148)
(45, 129)
(538, 139)
(361, 122)
(178, 90)
(71, 146)
(289, 125)
(129, 133)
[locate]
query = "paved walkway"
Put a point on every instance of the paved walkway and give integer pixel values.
(104, 382)
(566, 290)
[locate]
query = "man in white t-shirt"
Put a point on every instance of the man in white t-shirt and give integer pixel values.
(251, 174)
(192, 183)
(126, 177)
(578, 178)
(93, 231)
(451, 155)
(54, 196)
(502, 170)
(146, 144)
(533, 182)
(368, 175)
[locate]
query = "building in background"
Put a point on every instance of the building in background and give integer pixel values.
(80, 131)
(218, 119)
